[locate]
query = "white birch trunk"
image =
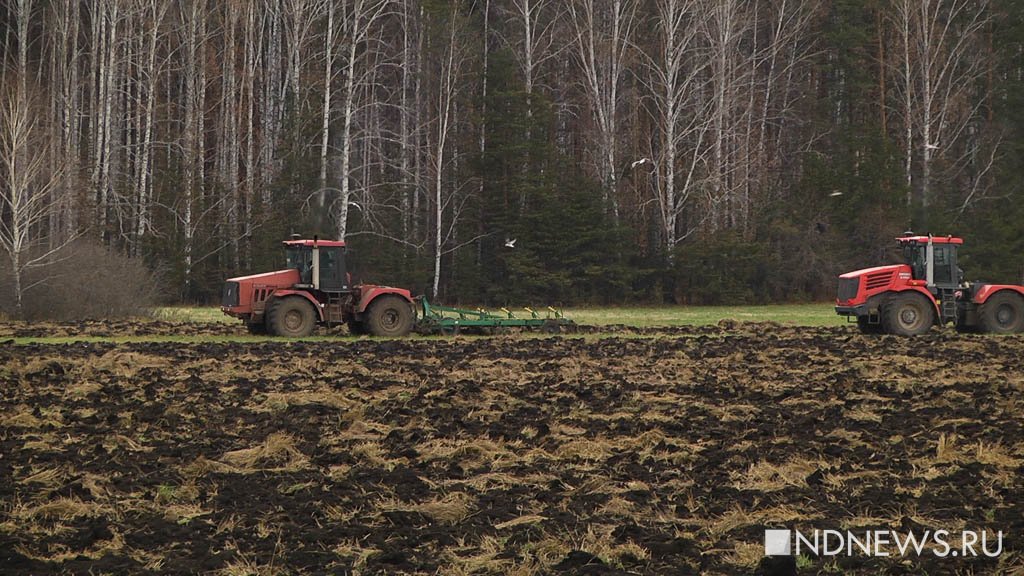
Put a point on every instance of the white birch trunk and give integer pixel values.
(325, 124)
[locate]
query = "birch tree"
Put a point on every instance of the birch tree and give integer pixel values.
(300, 17)
(602, 38)
(194, 37)
(229, 150)
(106, 16)
(534, 23)
(326, 112)
(676, 76)
(152, 13)
(444, 123)
(271, 103)
(30, 187)
(937, 76)
(250, 70)
(67, 102)
(360, 21)
(724, 30)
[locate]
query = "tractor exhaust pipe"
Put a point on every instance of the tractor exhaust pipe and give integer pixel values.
(316, 264)
(929, 255)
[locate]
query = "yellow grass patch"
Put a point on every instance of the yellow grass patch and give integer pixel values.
(48, 478)
(202, 466)
(593, 450)
(767, 477)
(116, 442)
(745, 554)
(483, 560)
(61, 553)
(126, 364)
(20, 417)
(183, 513)
(277, 401)
(469, 453)
(741, 518)
(996, 455)
(360, 554)
(62, 508)
(599, 541)
(617, 506)
(81, 389)
(277, 453)
(527, 519)
(450, 509)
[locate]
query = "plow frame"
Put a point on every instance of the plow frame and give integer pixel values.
(437, 319)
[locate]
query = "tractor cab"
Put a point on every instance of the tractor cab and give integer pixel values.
(320, 264)
(933, 259)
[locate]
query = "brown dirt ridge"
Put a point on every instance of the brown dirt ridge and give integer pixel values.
(507, 455)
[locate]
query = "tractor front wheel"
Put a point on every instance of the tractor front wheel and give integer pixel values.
(389, 316)
(908, 314)
(1003, 313)
(291, 317)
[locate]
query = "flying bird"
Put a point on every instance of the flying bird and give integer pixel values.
(834, 194)
(510, 242)
(639, 162)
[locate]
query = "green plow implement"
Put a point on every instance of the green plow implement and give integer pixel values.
(435, 319)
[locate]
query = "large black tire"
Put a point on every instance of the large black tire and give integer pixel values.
(908, 314)
(291, 317)
(1003, 313)
(866, 327)
(389, 316)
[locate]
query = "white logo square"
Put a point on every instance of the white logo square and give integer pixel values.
(777, 543)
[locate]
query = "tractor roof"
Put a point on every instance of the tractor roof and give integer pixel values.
(935, 240)
(310, 243)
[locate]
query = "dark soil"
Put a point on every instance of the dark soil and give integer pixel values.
(508, 455)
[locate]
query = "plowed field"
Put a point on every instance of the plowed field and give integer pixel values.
(637, 452)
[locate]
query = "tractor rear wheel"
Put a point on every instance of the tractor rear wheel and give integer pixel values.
(389, 316)
(1003, 313)
(291, 317)
(908, 314)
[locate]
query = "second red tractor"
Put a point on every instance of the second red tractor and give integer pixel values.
(928, 290)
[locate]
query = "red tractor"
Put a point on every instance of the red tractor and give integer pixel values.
(316, 289)
(908, 299)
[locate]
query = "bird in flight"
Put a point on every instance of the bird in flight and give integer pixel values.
(639, 162)
(510, 242)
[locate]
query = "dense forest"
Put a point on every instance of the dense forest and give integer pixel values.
(494, 151)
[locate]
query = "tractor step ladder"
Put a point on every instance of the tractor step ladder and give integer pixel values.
(948, 305)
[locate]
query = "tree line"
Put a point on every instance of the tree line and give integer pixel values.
(695, 151)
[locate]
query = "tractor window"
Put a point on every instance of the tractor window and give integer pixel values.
(300, 258)
(332, 269)
(915, 256)
(943, 265)
(328, 262)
